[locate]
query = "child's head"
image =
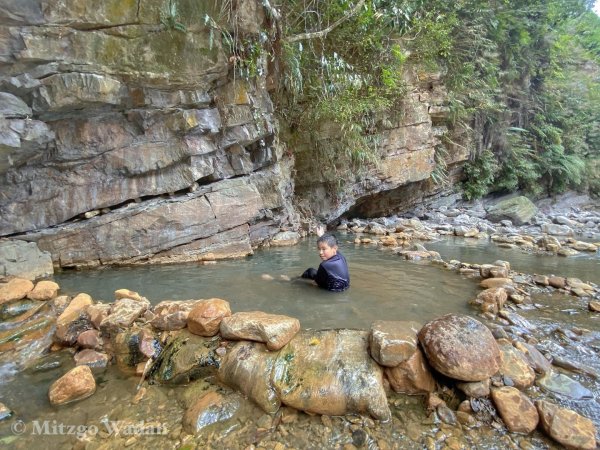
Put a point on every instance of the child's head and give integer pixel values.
(327, 245)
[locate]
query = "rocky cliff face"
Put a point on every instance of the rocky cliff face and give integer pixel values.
(125, 137)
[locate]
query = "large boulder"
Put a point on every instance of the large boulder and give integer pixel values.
(248, 367)
(567, 427)
(460, 347)
(330, 372)
(24, 259)
(519, 210)
(272, 329)
(76, 384)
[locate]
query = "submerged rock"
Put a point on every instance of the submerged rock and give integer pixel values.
(558, 383)
(76, 384)
(460, 347)
(91, 358)
(517, 411)
(210, 409)
(272, 329)
(566, 427)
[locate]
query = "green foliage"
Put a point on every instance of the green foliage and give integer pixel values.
(480, 175)
(170, 19)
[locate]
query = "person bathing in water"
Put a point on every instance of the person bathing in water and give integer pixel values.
(333, 271)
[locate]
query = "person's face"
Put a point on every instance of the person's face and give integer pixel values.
(325, 251)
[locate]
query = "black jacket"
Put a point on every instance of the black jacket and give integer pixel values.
(332, 274)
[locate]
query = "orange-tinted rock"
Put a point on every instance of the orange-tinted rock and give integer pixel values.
(97, 313)
(172, 315)
(566, 427)
(594, 306)
(495, 282)
(460, 347)
(515, 366)
(475, 389)
(517, 411)
(205, 318)
(15, 289)
(411, 376)
(76, 384)
(272, 329)
(44, 290)
(126, 293)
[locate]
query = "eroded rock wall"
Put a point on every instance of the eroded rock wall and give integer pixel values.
(125, 139)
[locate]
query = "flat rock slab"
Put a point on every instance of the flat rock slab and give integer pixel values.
(273, 330)
(209, 409)
(460, 347)
(515, 366)
(560, 384)
(567, 427)
(517, 411)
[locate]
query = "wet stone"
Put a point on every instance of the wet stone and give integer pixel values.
(475, 389)
(515, 366)
(44, 290)
(391, 343)
(517, 411)
(15, 289)
(75, 385)
(411, 376)
(558, 383)
(172, 315)
(566, 427)
(274, 330)
(460, 347)
(205, 318)
(210, 409)
(91, 358)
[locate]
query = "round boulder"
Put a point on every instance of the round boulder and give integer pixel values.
(460, 347)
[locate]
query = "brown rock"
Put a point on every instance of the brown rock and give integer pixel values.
(97, 313)
(15, 289)
(535, 359)
(205, 318)
(475, 389)
(460, 347)
(495, 282)
(126, 293)
(515, 366)
(122, 314)
(411, 376)
(594, 306)
(74, 320)
(492, 271)
(209, 409)
(91, 358)
(274, 330)
(542, 280)
(44, 290)
(517, 411)
(78, 305)
(76, 384)
(557, 282)
(391, 342)
(90, 339)
(172, 315)
(566, 427)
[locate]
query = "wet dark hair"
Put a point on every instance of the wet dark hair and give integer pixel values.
(328, 239)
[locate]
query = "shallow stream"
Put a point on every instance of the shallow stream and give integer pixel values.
(383, 287)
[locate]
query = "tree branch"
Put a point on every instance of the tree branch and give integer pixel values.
(323, 33)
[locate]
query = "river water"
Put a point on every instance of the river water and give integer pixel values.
(383, 287)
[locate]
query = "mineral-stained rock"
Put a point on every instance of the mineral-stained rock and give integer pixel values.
(186, 357)
(460, 347)
(122, 314)
(247, 367)
(76, 384)
(209, 409)
(495, 282)
(391, 342)
(566, 427)
(330, 372)
(98, 313)
(411, 376)
(517, 411)
(74, 320)
(492, 296)
(90, 339)
(172, 314)
(15, 289)
(515, 366)
(44, 290)
(126, 348)
(274, 330)
(91, 358)
(206, 316)
(536, 360)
